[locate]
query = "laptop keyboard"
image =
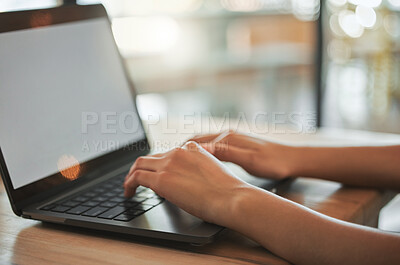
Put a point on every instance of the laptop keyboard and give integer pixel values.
(106, 200)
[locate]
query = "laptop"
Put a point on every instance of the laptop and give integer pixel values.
(63, 156)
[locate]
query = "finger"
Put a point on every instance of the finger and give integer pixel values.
(158, 155)
(204, 138)
(150, 163)
(229, 153)
(238, 140)
(191, 146)
(209, 147)
(139, 178)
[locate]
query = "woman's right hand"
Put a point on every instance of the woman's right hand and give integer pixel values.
(258, 157)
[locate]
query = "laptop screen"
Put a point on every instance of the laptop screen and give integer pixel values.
(64, 99)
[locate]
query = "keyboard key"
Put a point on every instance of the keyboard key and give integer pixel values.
(90, 203)
(135, 212)
(48, 207)
(78, 210)
(118, 190)
(117, 199)
(99, 190)
(80, 199)
(100, 199)
(153, 201)
(128, 204)
(71, 203)
(90, 194)
(117, 182)
(136, 199)
(144, 207)
(140, 189)
(110, 194)
(146, 195)
(110, 214)
(109, 204)
(124, 217)
(95, 211)
(121, 176)
(107, 186)
(60, 209)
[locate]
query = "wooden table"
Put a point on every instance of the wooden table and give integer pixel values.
(31, 242)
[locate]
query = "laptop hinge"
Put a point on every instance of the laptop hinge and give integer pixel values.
(26, 216)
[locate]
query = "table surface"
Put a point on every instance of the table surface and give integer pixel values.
(25, 241)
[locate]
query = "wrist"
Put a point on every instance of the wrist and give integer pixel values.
(293, 158)
(250, 213)
(239, 201)
(288, 160)
(301, 160)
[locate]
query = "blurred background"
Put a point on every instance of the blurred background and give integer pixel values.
(214, 57)
(218, 57)
(361, 64)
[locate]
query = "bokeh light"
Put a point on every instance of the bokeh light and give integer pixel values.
(306, 9)
(391, 25)
(339, 51)
(337, 2)
(69, 167)
(348, 21)
(242, 5)
(395, 4)
(368, 3)
(366, 16)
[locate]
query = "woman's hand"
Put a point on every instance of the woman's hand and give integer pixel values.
(192, 179)
(258, 157)
(197, 182)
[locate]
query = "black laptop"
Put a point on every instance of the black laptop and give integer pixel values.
(69, 128)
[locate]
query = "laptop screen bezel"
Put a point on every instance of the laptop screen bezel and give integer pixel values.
(53, 184)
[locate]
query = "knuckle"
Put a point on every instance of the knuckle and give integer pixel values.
(191, 144)
(136, 174)
(175, 150)
(139, 160)
(133, 166)
(177, 153)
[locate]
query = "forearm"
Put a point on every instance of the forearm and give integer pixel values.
(366, 166)
(303, 236)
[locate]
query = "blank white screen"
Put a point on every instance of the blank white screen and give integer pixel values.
(49, 78)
